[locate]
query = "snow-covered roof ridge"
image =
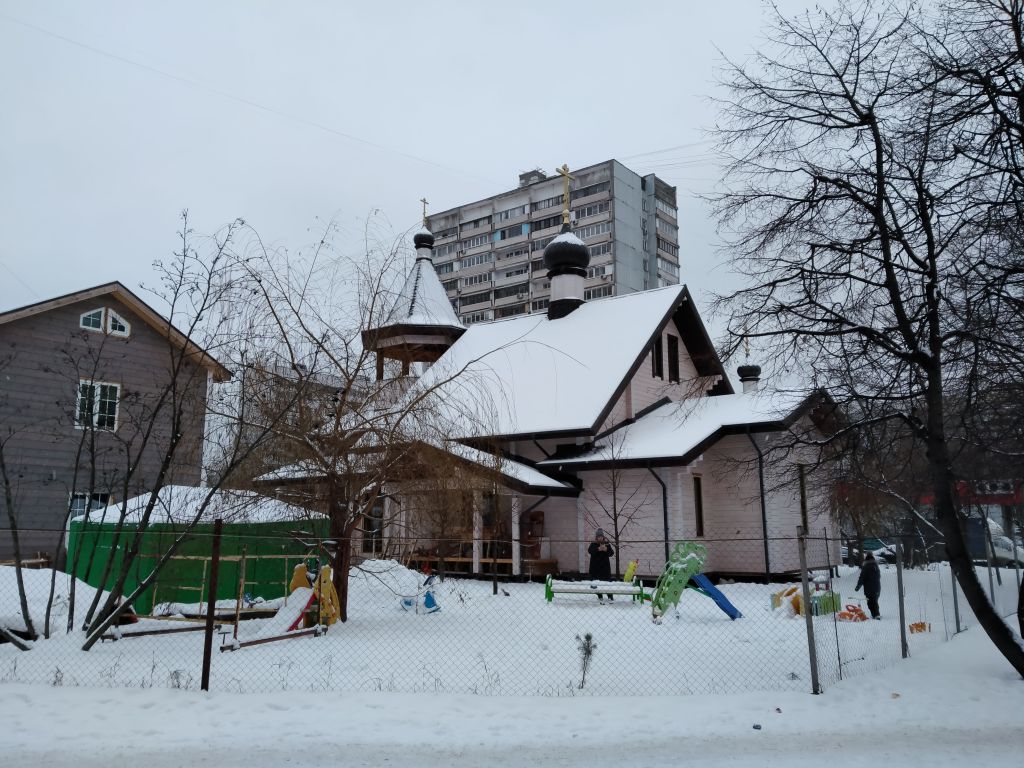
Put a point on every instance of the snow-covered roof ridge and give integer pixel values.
(530, 375)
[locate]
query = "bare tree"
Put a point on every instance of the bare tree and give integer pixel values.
(863, 231)
(618, 499)
(358, 435)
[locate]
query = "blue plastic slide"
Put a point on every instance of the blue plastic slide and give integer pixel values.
(711, 591)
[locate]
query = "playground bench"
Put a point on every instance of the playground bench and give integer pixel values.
(634, 588)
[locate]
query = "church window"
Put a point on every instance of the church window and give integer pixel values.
(698, 505)
(673, 358)
(657, 360)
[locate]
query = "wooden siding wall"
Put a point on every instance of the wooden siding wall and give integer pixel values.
(42, 359)
(642, 529)
(645, 389)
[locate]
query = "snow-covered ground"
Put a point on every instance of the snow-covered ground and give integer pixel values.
(514, 643)
(392, 687)
(956, 704)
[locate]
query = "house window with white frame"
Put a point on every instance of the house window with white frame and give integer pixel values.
(81, 503)
(97, 405)
(105, 320)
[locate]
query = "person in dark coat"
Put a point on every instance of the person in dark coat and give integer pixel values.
(871, 579)
(601, 559)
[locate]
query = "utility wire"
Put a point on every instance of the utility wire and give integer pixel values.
(238, 99)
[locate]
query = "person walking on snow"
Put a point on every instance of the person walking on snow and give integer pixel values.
(871, 579)
(601, 559)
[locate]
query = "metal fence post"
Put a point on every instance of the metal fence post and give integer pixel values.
(812, 651)
(904, 648)
(211, 604)
(956, 603)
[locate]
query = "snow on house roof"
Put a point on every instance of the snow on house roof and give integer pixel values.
(181, 504)
(423, 300)
(530, 375)
(521, 473)
(678, 431)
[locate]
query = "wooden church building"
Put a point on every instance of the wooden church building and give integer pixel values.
(614, 413)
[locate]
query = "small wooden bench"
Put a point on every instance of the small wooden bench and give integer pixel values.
(634, 589)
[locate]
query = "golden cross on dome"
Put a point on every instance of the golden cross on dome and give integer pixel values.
(424, 201)
(564, 173)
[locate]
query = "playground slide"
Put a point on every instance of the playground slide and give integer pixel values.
(711, 591)
(289, 616)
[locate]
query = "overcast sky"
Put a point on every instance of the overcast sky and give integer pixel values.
(117, 115)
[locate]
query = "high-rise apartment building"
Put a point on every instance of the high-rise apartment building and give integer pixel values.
(488, 253)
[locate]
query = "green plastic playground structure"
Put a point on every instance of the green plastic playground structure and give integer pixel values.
(686, 560)
(683, 571)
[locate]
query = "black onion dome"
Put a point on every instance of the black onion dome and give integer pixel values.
(566, 253)
(423, 239)
(749, 372)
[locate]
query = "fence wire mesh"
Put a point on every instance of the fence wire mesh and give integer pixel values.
(485, 634)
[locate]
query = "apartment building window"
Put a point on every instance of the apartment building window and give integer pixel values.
(548, 202)
(484, 277)
(97, 404)
(594, 230)
(517, 230)
(540, 304)
(517, 271)
(669, 229)
(667, 267)
(592, 210)
(473, 242)
(477, 317)
(599, 271)
(445, 269)
(801, 475)
(477, 259)
(444, 250)
(550, 221)
(665, 207)
(698, 505)
(483, 221)
(510, 311)
(449, 232)
(593, 189)
(512, 253)
(474, 298)
(657, 360)
(450, 285)
(80, 503)
(511, 213)
(600, 250)
(511, 290)
(667, 247)
(537, 265)
(597, 293)
(673, 358)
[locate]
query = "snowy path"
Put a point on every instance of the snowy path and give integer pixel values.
(957, 704)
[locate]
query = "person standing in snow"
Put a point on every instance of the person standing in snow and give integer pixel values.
(871, 579)
(601, 559)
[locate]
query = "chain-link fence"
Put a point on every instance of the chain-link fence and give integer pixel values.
(488, 632)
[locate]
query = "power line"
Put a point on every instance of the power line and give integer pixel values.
(16, 277)
(238, 99)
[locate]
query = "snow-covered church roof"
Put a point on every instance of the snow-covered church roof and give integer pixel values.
(423, 300)
(531, 375)
(679, 432)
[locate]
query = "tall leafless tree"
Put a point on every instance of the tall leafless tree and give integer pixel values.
(866, 232)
